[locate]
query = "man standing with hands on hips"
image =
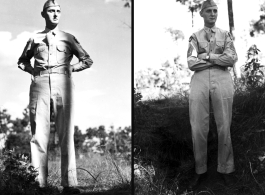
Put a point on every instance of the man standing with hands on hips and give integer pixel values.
(53, 51)
(211, 51)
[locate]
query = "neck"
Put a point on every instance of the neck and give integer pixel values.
(209, 25)
(51, 27)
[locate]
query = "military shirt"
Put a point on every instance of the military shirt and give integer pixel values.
(215, 42)
(53, 54)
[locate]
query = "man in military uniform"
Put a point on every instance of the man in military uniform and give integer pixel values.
(53, 51)
(211, 51)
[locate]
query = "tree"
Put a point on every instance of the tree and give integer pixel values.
(19, 136)
(91, 132)
(101, 134)
(258, 26)
(193, 6)
(253, 70)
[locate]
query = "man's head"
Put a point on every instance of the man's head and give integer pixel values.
(209, 12)
(51, 13)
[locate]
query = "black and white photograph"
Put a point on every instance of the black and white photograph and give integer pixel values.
(199, 104)
(65, 97)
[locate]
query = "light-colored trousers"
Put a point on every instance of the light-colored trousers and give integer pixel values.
(58, 87)
(218, 85)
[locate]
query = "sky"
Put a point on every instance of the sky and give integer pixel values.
(103, 28)
(153, 45)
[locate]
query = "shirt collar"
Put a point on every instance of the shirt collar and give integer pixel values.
(56, 29)
(209, 29)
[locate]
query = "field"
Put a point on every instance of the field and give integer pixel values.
(97, 174)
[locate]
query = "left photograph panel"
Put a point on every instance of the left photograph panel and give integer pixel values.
(65, 104)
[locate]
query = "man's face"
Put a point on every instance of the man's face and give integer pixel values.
(209, 15)
(52, 15)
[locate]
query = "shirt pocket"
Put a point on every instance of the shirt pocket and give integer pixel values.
(220, 47)
(41, 52)
(203, 47)
(63, 54)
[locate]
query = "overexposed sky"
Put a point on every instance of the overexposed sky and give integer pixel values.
(153, 45)
(103, 92)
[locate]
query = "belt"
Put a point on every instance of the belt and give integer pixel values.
(213, 67)
(218, 67)
(52, 71)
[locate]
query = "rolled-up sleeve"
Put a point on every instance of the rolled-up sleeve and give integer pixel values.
(228, 57)
(24, 60)
(194, 63)
(84, 59)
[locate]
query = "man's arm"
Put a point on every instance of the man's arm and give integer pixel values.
(196, 61)
(228, 57)
(84, 59)
(24, 60)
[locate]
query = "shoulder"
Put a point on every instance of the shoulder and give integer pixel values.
(221, 30)
(198, 33)
(36, 35)
(193, 36)
(63, 33)
(69, 36)
(225, 32)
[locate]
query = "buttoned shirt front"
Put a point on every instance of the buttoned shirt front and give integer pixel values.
(53, 49)
(217, 43)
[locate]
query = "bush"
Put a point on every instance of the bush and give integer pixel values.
(17, 175)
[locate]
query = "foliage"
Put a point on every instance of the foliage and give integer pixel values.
(175, 34)
(20, 142)
(137, 97)
(4, 121)
(119, 143)
(253, 71)
(193, 5)
(258, 27)
(17, 175)
(116, 142)
(169, 79)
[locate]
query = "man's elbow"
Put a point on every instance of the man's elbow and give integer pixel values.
(191, 67)
(234, 59)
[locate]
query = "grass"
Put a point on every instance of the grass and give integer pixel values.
(164, 161)
(97, 174)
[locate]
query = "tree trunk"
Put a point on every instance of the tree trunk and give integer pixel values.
(231, 17)
(231, 26)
